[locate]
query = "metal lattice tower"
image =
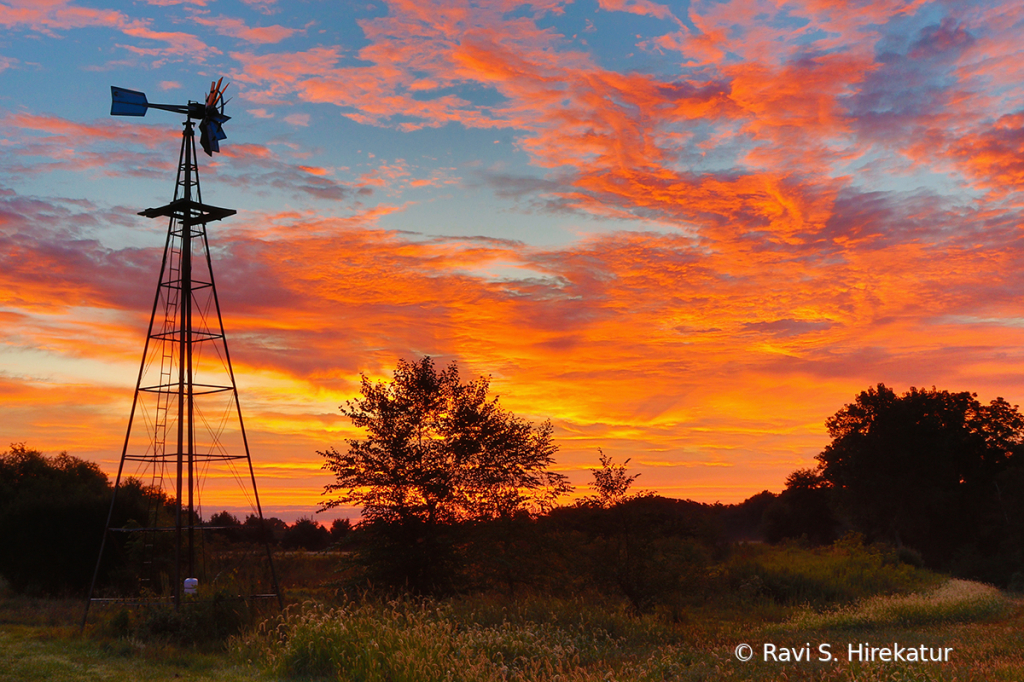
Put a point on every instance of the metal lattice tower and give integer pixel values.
(185, 424)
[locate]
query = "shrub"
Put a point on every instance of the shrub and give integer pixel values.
(205, 621)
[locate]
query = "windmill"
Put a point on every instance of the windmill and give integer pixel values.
(209, 113)
(185, 424)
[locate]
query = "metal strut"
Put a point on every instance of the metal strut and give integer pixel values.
(179, 339)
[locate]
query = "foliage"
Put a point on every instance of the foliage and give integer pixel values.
(611, 483)
(228, 525)
(270, 529)
(340, 528)
(427, 640)
(306, 534)
(208, 619)
(842, 573)
(802, 510)
(438, 453)
(933, 470)
(589, 637)
(632, 558)
(52, 512)
(542, 637)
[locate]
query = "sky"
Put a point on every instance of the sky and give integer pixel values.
(687, 233)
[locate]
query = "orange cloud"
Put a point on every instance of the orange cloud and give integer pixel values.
(800, 152)
(712, 362)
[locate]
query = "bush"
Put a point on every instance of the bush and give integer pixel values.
(204, 621)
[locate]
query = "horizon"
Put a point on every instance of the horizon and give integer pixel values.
(687, 233)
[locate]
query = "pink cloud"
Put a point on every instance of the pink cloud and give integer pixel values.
(48, 16)
(236, 28)
(301, 120)
(641, 7)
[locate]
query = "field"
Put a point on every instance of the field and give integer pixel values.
(787, 603)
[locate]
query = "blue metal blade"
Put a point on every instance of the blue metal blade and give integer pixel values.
(127, 102)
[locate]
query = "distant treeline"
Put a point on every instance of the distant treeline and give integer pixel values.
(935, 476)
(53, 511)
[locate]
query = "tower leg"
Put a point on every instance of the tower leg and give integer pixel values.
(184, 390)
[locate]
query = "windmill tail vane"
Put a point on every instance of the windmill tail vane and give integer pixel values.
(209, 113)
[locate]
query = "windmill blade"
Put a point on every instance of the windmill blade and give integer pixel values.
(127, 102)
(211, 127)
(212, 132)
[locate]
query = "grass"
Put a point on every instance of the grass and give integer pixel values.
(842, 573)
(789, 596)
(29, 653)
(40, 640)
(955, 601)
(546, 639)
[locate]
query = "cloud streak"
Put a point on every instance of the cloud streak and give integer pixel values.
(805, 199)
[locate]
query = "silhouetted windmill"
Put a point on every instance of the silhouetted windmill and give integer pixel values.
(186, 394)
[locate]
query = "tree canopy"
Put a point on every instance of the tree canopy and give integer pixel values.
(52, 511)
(440, 451)
(924, 468)
(437, 453)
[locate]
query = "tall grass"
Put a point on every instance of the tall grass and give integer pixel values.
(419, 641)
(841, 573)
(543, 639)
(956, 601)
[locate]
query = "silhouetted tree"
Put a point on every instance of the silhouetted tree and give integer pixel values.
(437, 453)
(51, 516)
(228, 525)
(306, 534)
(611, 484)
(340, 528)
(923, 469)
(744, 522)
(52, 513)
(802, 510)
(625, 544)
(272, 529)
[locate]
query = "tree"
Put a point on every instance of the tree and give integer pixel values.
(307, 534)
(340, 528)
(923, 469)
(228, 525)
(51, 518)
(802, 510)
(610, 483)
(271, 529)
(52, 512)
(649, 548)
(437, 453)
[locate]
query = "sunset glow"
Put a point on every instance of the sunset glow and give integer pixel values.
(687, 233)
